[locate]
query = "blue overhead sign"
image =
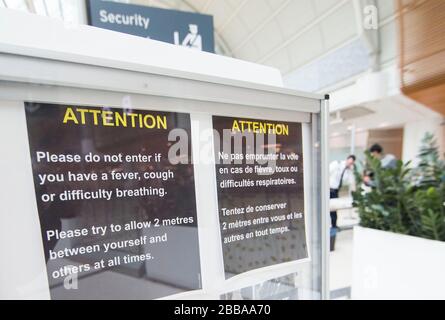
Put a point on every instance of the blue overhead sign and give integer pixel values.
(178, 27)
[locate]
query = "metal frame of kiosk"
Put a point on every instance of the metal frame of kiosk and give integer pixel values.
(25, 77)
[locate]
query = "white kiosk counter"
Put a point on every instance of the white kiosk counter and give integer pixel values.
(116, 183)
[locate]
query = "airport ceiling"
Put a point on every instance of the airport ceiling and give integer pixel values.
(285, 34)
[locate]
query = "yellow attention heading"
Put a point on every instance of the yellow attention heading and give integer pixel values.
(98, 117)
(260, 127)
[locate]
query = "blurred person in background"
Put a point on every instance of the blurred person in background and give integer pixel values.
(341, 173)
(388, 161)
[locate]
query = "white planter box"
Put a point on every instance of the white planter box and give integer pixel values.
(387, 265)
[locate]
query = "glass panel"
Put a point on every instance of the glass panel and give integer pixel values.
(136, 280)
(288, 287)
(306, 281)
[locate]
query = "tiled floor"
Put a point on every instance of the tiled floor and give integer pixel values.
(340, 277)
